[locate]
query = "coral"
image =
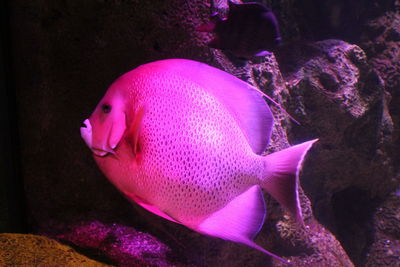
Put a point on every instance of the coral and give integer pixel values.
(121, 245)
(33, 250)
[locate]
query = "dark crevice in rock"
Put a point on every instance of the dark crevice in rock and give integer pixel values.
(353, 210)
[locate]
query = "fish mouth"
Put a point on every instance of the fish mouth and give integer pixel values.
(87, 136)
(101, 152)
(86, 133)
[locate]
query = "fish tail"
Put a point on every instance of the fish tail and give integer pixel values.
(281, 176)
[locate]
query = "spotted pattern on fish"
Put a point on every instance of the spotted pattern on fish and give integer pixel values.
(184, 140)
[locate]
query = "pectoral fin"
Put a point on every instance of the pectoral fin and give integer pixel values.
(240, 220)
(134, 131)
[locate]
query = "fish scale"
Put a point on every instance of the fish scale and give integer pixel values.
(184, 141)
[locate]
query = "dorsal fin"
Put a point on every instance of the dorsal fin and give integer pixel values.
(245, 104)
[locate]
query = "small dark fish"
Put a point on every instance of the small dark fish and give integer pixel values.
(251, 29)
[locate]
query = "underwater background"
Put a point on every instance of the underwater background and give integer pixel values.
(336, 72)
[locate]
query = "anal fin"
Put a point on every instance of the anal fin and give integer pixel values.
(240, 220)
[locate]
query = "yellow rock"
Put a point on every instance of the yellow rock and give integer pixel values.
(34, 250)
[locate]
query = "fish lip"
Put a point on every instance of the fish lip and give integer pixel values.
(99, 152)
(102, 152)
(86, 133)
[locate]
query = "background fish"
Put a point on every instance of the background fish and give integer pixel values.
(250, 29)
(184, 140)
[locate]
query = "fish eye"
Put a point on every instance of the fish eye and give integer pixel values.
(106, 108)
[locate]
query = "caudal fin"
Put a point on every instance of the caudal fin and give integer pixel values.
(281, 176)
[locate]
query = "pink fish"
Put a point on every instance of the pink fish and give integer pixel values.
(184, 141)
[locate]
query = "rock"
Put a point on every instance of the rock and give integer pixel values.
(314, 20)
(339, 97)
(33, 250)
(385, 248)
(381, 43)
